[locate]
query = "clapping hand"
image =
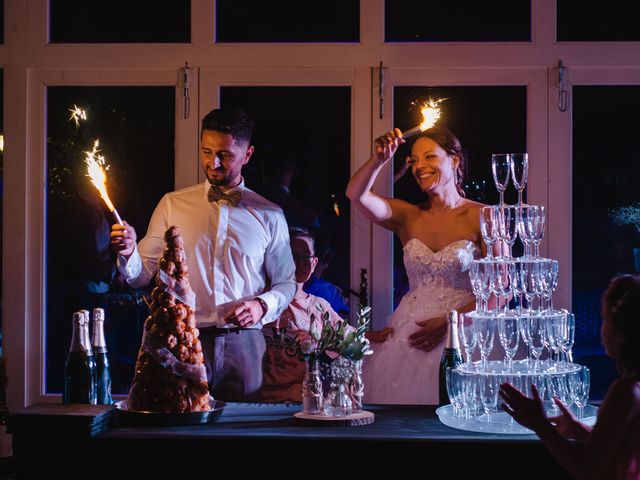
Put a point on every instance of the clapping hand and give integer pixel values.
(430, 334)
(528, 412)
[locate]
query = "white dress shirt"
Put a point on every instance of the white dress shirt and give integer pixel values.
(234, 253)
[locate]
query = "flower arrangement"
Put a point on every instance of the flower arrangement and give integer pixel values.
(335, 339)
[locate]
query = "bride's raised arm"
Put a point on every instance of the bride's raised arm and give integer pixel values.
(381, 210)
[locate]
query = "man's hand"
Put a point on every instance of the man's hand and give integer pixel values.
(400, 173)
(123, 238)
(246, 314)
(430, 334)
(378, 336)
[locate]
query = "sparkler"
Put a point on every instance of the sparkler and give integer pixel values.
(430, 115)
(97, 172)
(77, 114)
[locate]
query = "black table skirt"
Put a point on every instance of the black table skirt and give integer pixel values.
(265, 438)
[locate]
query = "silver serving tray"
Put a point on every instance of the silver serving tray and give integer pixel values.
(141, 418)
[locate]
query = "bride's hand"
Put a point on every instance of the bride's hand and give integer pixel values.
(430, 334)
(386, 145)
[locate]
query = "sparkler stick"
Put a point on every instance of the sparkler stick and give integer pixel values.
(430, 115)
(97, 172)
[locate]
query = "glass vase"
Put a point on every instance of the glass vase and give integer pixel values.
(311, 389)
(337, 402)
(356, 386)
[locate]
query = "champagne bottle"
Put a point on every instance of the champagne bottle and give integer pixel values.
(90, 358)
(80, 367)
(451, 356)
(99, 346)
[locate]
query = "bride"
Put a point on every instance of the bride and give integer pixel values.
(440, 238)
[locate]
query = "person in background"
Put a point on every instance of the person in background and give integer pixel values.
(279, 173)
(611, 449)
(283, 369)
(320, 287)
(237, 247)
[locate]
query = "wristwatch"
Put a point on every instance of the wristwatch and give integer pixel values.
(263, 304)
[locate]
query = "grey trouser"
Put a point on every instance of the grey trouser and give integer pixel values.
(234, 363)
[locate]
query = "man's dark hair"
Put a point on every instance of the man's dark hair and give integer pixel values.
(229, 120)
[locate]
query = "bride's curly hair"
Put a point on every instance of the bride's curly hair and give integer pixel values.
(621, 306)
(450, 144)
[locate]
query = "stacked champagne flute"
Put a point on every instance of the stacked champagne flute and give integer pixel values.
(514, 302)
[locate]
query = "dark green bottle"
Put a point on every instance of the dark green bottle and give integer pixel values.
(99, 346)
(80, 366)
(451, 356)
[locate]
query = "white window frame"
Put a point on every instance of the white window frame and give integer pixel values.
(560, 216)
(29, 63)
(357, 79)
(535, 82)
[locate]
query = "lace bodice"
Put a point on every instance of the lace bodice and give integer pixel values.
(446, 268)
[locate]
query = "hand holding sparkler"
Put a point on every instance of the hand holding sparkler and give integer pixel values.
(386, 145)
(123, 238)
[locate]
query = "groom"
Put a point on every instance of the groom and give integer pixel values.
(237, 245)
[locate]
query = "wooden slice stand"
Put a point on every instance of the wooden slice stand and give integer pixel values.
(362, 417)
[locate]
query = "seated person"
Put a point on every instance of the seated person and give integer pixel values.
(283, 369)
(320, 287)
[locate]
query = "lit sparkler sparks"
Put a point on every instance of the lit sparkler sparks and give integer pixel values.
(430, 115)
(77, 114)
(97, 172)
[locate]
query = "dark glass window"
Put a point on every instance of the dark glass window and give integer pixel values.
(486, 120)
(606, 199)
(457, 21)
(615, 21)
(135, 126)
(120, 21)
(1, 196)
(314, 151)
(287, 21)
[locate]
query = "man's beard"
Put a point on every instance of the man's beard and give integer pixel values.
(218, 180)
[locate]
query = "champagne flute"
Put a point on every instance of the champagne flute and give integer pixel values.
(509, 335)
(468, 336)
(489, 228)
(582, 395)
(500, 166)
(519, 172)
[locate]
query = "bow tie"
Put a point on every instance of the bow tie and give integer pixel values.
(215, 194)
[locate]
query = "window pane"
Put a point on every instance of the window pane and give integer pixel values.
(120, 21)
(315, 151)
(287, 21)
(135, 126)
(459, 21)
(588, 22)
(1, 198)
(486, 120)
(1, 21)
(606, 200)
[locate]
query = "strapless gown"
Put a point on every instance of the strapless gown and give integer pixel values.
(397, 373)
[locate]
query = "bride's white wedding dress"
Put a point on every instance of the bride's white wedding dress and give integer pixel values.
(397, 373)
